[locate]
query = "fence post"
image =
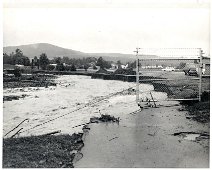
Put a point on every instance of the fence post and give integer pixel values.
(200, 74)
(137, 76)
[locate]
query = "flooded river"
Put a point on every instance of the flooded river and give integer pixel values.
(71, 93)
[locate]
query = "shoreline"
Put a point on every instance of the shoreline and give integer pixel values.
(62, 150)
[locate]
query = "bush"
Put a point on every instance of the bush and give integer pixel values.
(50, 67)
(17, 72)
(205, 96)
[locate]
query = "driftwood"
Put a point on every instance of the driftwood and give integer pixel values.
(52, 133)
(81, 125)
(16, 133)
(114, 138)
(15, 127)
(152, 99)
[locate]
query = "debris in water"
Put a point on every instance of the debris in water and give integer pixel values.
(77, 157)
(193, 136)
(85, 127)
(73, 152)
(114, 138)
(52, 133)
(104, 118)
(13, 97)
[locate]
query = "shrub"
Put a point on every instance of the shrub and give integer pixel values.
(17, 72)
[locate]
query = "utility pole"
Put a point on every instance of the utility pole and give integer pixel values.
(137, 76)
(200, 73)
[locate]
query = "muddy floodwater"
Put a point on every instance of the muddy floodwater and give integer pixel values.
(72, 92)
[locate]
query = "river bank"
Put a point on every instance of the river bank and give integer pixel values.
(31, 80)
(45, 151)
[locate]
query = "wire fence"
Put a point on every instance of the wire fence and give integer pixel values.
(180, 72)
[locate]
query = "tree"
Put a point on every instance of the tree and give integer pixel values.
(86, 66)
(18, 51)
(102, 63)
(50, 67)
(44, 61)
(66, 60)
(16, 58)
(7, 59)
(73, 68)
(132, 65)
(118, 62)
(60, 67)
(94, 67)
(26, 61)
(36, 61)
(58, 60)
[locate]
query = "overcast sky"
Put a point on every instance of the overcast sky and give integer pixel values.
(108, 26)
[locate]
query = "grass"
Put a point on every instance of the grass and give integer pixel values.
(41, 151)
(200, 111)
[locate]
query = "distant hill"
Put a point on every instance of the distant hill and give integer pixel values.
(52, 51)
(115, 56)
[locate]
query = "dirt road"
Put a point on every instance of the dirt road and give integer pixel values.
(147, 139)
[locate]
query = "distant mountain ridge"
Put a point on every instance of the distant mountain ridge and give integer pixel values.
(52, 51)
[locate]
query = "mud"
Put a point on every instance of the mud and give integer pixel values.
(147, 139)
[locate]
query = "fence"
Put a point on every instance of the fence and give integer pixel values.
(176, 71)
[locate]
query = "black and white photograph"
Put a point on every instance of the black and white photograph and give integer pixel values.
(106, 84)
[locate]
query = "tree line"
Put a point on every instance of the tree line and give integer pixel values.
(62, 63)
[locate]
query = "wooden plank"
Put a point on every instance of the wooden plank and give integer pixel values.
(16, 127)
(152, 98)
(16, 133)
